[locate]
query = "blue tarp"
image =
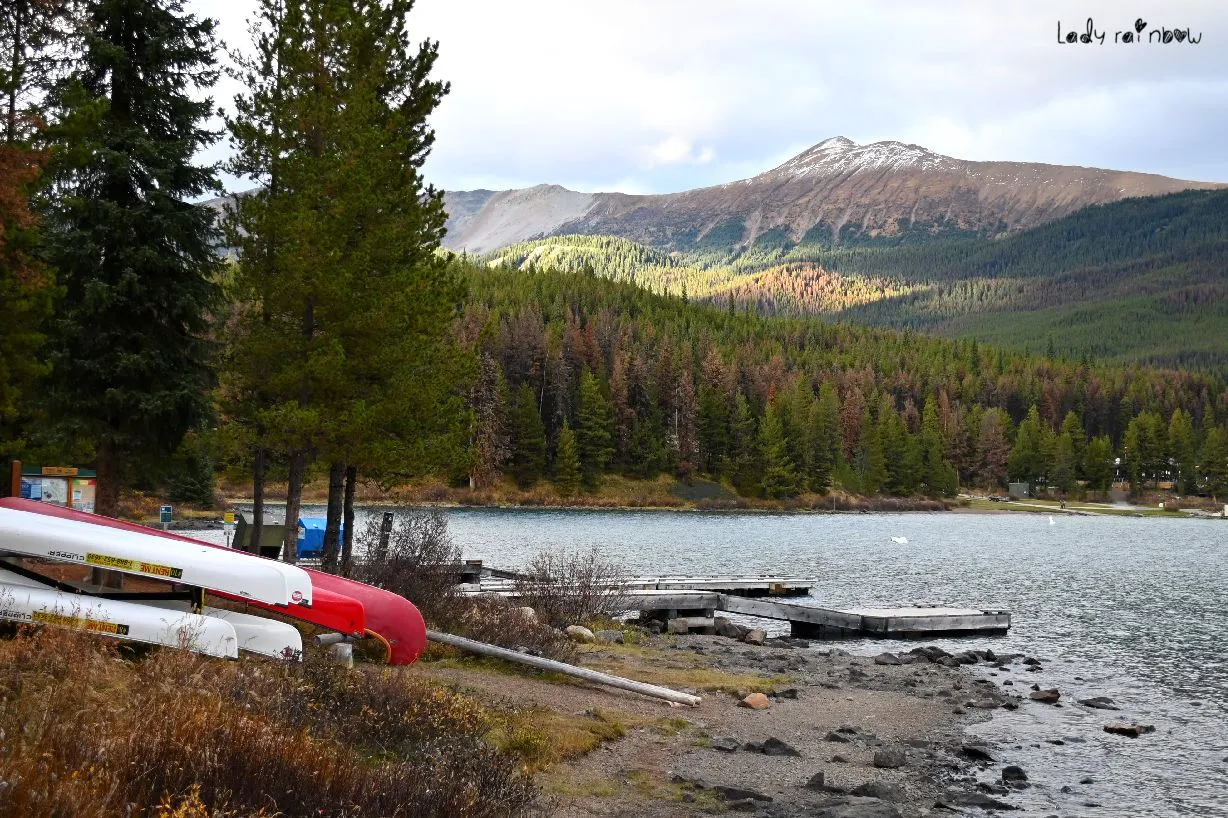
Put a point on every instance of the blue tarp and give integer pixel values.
(311, 537)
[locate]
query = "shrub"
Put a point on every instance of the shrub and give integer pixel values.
(418, 561)
(569, 588)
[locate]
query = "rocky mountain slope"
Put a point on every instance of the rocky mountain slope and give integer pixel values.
(835, 193)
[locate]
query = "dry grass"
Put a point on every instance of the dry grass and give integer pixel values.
(87, 733)
(674, 669)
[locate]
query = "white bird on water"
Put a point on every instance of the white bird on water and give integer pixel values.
(1051, 520)
(900, 540)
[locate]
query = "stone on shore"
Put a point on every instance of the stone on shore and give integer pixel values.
(610, 637)
(726, 744)
(954, 800)
(756, 701)
(1049, 696)
(1099, 703)
(1132, 730)
(887, 658)
(755, 637)
(579, 633)
(855, 807)
(678, 626)
(881, 789)
(1013, 775)
(775, 747)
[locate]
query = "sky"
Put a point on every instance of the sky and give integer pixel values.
(656, 96)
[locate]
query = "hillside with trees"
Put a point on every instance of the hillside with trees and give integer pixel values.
(1141, 280)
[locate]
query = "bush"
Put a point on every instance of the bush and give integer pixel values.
(419, 561)
(571, 588)
(90, 735)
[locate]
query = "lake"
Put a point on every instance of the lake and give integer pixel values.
(1131, 608)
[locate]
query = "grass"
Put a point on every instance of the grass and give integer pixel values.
(92, 734)
(1049, 506)
(674, 669)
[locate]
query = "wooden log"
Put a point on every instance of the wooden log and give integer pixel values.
(473, 646)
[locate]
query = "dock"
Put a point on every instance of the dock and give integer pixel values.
(692, 603)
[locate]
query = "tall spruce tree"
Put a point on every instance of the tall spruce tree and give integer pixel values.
(779, 472)
(352, 304)
(528, 439)
(130, 361)
(594, 430)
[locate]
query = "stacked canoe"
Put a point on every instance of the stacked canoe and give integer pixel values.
(51, 559)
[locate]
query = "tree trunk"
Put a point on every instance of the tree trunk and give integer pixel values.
(106, 499)
(294, 496)
(332, 525)
(347, 533)
(253, 544)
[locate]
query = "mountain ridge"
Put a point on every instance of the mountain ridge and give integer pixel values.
(835, 191)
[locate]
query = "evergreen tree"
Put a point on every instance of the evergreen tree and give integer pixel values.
(993, 450)
(1072, 426)
(130, 361)
(872, 460)
(1098, 463)
(824, 438)
(744, 448)
(1182, 448)
(940, 478)
(1065, 463)
(1215, 463)
(567, 463)
(779, 474)
(528, 439)
(594, 429)
(1029, 461)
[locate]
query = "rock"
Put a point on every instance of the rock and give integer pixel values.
(949, 661)
(787, 693)
(1088, 780)
(972, 799)
(678, 626)
(742, 805)
(837, 737)
(610, 637)
(728, 629)
(756, 701)
(654, 626)
(1013, 774)
(815, 782)
(887, 659)
(847, 729)
(967, 657)
(1132, 730)
(880, 789)
(755, 637)
(984, 704)
(1049, 696)
(976, 752)
(889, 758)
(852, 807)
(726, 744)
(1066, 789)
(579, 633)
(839, 759)
(775, 747)
(739, 794)
(528, 613)
(1099, 703)
(1031, 660)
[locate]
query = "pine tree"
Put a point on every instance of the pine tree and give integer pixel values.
(824, 438)
(567, 463)
(939, 477)
(1181, 446)
(1028, 461)
(1098, 463)
(744, 447)
(594, 429)
(1215, 462)
(528, 439)
(130, 360)
(872, 460)
(779, 474)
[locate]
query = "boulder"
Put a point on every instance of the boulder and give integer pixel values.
(854, 807)
(1099, 703)
(839, 759)
(977, 752)
(738, 794)
(954, 800)
(728, 629)
(775, 747)
(1013, 774)
(887, 658)
(881, 789)
(579, 633)
(756, 701)
(837, 737)
(610, 637)
(1129, 729)
(889, 758)
(678, 626)
(726, 744)
(755, 637)
(1049, 696)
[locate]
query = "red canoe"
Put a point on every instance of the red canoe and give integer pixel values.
(338, 603)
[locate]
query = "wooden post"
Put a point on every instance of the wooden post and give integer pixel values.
(15, 485)
(484, 649)
(385, 531)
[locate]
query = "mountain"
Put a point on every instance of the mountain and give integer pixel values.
(837, 193)
(1140, 280)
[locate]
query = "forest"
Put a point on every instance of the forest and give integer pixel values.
(1141, 280)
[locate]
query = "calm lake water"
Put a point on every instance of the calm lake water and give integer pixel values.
(1131, 608)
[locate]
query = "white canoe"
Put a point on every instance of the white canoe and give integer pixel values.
(201, 566)
(119, 620)
(264, 637)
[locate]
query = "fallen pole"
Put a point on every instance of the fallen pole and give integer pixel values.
(484, 649)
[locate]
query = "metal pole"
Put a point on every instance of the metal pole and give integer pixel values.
(474, 646)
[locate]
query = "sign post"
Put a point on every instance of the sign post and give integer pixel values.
(164, 516)
(228, 525)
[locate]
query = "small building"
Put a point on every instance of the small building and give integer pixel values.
(1018, 491)
(272, 533)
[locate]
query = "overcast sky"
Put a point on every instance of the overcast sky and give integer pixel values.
(653, 96)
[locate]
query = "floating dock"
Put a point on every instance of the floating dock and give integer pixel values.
(697, 600)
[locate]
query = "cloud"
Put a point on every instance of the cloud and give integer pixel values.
(675, 150)
(658, 96)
